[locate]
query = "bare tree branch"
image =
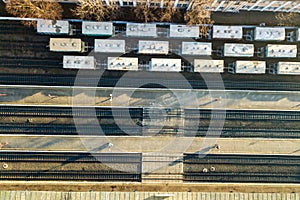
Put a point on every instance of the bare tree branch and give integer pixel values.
(144, 12)
(34, 9)
(169, 12)
(91, 10)
(97, 10)
(199, 14)
(287, 19)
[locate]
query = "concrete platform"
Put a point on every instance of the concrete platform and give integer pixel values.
(47, 195)
(230, 99)
(157, 145)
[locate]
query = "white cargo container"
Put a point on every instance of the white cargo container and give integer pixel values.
(53, 27)
(184, 31)
(196, 48)
(238, 50)
(298, 34)
(153, 47)
(97, 28)
(227, 32)
(141, 30)
(122, 63)
(269, 33)
(288, 68)
(248, 67)
(211, 66)
(79, 62)
(165, 64)
(281, 51)
(109, 46)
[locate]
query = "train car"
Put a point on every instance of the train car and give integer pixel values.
(227, 32)
(196, 48)
(247, 67)
(165, 65)
(79, 62)
(208, 66)
(97, 28)
(67, 45)
(238, 50)
(153, 47)
(280, 51)
(269, 34)
(285, 68)
(298, 34)
(109, 46)
(45, 26)
(184, 31)
(141, 30)
(122, 63)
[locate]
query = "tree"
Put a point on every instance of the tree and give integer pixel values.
(199, 14)
(287, 19)
(114, 11)
(169, 12)
(91, 10)
(144, 12)
(34, 9)
(96, 10)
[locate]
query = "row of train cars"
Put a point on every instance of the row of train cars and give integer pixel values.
(149, 43)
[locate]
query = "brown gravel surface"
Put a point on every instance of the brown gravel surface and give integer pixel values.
(151, 187)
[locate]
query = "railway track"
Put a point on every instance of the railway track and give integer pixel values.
(138, 113)
(42, 111)
(242, 114)
(29, 62)
(105, 81)
(256, 123)
(230, 132)
(70, 129)
(15, 28)
(21, 156)
(12, 172)
(114, 130)
(241, 168)
(66, 176)
(243, 123)
(28, 45)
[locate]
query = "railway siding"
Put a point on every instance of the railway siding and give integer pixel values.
(241, 168)
(70, 166)
(184, 122)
